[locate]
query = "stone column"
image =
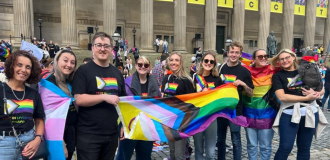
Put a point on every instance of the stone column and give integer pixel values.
(264, 23)
(68, 22)
(22, 19)
(326, 37)
(180, 26)
(110, 16)
(310, 22)
(287, 24)
(32, 18)
(147, 25)
(210, 28)
(238, 21)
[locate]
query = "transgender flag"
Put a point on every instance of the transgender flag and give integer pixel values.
(56, 104)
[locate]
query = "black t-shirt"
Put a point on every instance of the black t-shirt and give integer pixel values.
(92, 79)
(51, 47)
(230, 74)
(212, 81)
(144, 89)
(72, 116)
(174, 86)
(26, 110)
(281, 80)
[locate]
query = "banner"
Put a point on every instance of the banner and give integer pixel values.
(276, 6)
(200, 2)
(226, 3)
(299, 7)
(322, 8)
(33, 49)
(251, 5)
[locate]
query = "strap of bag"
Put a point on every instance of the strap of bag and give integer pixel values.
(11, 123)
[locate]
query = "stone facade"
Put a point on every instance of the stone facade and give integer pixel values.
(89, 13)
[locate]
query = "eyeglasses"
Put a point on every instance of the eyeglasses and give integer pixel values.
(207, 61)
(286, 58)
(145, 65)
(260, 57)
(105, 46)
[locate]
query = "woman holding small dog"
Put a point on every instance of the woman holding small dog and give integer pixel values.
(299, 115)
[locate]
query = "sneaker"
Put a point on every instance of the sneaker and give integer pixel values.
(229, 147)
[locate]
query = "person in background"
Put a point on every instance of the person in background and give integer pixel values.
(57, 48)
(125, 53)
(199, 54)
(157, 44)
(129, 62)
(326, 89)
(125, 46)
(21, 67)
(206, 140)
(51, 49)
(68, 47)
(299, 115)
(48, 67)
(140, 84)
(165, 46)
(184, 85)
(87, 59)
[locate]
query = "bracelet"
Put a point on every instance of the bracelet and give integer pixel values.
(40, 136)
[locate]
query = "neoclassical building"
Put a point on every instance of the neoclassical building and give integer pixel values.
(185, 25)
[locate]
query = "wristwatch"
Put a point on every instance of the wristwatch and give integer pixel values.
(41, 137)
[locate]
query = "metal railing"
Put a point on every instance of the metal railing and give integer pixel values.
(22, 37)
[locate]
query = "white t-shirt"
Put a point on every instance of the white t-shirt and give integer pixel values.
(125, 53)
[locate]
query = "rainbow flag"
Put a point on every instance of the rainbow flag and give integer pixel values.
(246, 59)
(56, 105)
(4, 52)
(201, 81)
(178, 117)
(260, 108)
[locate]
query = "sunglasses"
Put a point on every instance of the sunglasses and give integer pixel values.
(260, 57)
(145, 65)
(207, 61)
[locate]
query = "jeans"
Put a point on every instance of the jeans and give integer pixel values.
(165, 49)
(157, 48)
(325, 97)
(210, 141)
(96, 147)
(288, 132)
(9, 146)
(235, 131)
(264, 138)
(126, 147)
(178, 149)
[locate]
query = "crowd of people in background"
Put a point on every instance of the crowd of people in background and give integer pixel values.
(94, 132)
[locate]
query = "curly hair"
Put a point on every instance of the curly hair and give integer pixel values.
(11, 62)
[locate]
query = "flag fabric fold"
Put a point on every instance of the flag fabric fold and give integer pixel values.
(178, 117)
(56, 104)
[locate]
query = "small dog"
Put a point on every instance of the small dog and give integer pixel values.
(309, 73)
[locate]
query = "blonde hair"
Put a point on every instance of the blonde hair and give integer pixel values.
(274, 61)
(144, 59)
(214, 70)
(181, 73)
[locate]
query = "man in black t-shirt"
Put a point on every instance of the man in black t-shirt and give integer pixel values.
(233, 72)
(96, 87)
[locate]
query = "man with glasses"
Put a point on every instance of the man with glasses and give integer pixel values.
(233, 72)
(96, 87)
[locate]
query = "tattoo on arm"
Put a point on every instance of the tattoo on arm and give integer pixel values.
(248, 90)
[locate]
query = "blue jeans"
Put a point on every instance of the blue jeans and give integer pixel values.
(126, 147)
(325, 97)
(210, 141)
(264, 138)
(288, 132)
(165, 49)
(9, 146)
(235, 131)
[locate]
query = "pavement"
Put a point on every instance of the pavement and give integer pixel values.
(320, 149)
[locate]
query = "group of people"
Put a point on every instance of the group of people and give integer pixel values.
(92, 128)
(164, 43)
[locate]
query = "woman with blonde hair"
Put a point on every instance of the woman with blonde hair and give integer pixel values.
(299, 115)
(207, 74)
(139, 84)
(176, 84)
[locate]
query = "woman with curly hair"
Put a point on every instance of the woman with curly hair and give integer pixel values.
(24, 109)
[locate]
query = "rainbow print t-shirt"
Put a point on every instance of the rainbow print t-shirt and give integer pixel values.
(106, 83)
(228, 78)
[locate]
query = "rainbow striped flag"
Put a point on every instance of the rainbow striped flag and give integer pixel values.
(56, 105)
(4, 52)
(246, 59)
(260, 108)
(178, 117)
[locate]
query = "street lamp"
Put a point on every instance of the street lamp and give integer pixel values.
(96, 28)
(134, 31)
(116, 37)
(40, 21)
(228, 41)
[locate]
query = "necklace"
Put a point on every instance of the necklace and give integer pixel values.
(15, 94)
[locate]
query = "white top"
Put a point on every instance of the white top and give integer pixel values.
(125, 53)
